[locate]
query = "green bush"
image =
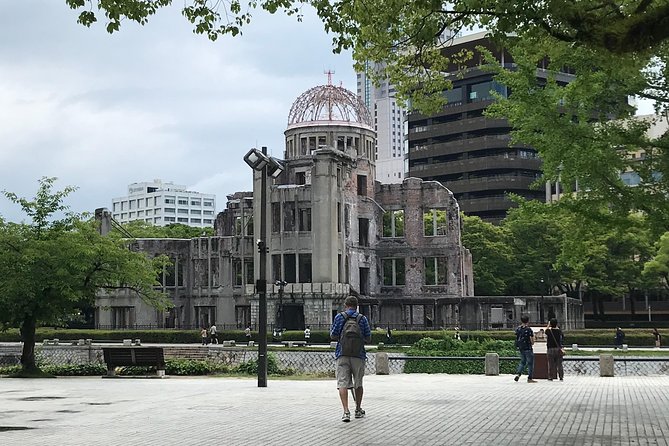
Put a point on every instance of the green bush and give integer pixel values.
(251, 367)
(449, 346)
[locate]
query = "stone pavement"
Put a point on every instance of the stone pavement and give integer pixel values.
(409, 409)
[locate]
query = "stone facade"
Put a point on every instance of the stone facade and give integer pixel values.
(331, 231)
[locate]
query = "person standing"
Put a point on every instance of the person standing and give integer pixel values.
(203, 335)
(658, 338)
(307, 335)
(247, 333)
(213, 334)
(524, 342)
(351, 331)
(619, 339)
(554, 351)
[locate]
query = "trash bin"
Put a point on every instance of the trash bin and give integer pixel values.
(540, 366)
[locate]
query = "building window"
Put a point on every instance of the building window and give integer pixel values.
(276, 267)
(182, 220)
(362, 185)
(196, 202)
(300, 178)
(195, 211)
(182, 211)
(207, 221)
(170, 200)
(393, 223)
(289, 270)
(363, 232)
(338, 217)
(237, 272)
(167, 211)
(248, 269)
(196, 220)
(364, 280)
(393, 272)
(305, 267)
(183, 201)
(208, 203)
(435, 270)
(435, 222)
(305, 219)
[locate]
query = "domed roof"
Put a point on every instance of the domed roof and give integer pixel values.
(329, 104)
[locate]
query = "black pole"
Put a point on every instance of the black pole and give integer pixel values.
(261, 285)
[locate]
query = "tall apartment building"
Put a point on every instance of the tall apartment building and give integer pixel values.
(163, 203)
(469, 153)
(388, 119)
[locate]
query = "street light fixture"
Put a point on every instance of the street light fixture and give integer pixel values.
(267, 166)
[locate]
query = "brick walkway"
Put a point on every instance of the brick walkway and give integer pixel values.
(401, 410)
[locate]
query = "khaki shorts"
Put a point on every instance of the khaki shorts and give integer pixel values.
(350, 370)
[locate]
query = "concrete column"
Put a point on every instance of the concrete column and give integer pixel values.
(605, 365)
(491, 364)
(382, 364)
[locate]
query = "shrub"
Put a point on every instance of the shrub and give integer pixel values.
(251, 367)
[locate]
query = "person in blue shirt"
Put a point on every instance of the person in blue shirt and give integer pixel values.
(524, 342)
(350, 368)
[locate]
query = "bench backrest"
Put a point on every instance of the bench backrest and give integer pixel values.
(134, 356)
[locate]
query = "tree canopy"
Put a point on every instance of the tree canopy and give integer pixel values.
(51, 267)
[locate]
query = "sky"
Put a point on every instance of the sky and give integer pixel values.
(101, 111)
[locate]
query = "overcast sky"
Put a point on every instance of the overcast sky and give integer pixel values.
(101, 111)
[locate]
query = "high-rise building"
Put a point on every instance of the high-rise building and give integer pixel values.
(163, 203)
(469, 153)
(388, 117)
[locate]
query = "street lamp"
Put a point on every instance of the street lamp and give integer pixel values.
(541, 304)
(267, 166)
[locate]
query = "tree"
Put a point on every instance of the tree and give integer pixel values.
(142, 229)
(49, 267)
(491, 255)
(658, 267)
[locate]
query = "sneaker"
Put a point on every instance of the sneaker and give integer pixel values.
(561, 379)
(359, 413)
(346, 417)
(530, 380)
(516, 378)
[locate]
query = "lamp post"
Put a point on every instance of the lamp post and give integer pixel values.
(267, 166)
(541, 303)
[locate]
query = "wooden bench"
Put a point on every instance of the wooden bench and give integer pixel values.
(134, 356)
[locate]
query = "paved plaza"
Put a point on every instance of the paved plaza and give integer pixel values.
(409, 409)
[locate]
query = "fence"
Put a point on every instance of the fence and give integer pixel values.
(317, 362)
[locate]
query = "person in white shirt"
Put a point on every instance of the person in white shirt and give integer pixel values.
(213, 334)
(307, 334)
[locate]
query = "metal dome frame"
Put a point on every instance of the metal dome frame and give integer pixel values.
(329, 103)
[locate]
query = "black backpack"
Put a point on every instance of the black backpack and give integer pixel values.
(350, 338)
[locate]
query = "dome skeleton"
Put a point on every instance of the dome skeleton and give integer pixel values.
(329, 103)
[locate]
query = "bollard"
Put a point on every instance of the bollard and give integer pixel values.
(574, 347)
(624, 347)
(606, 365)
(382, 364)
(491, 364)
(127, 342)
(333, 344)
(250, 343)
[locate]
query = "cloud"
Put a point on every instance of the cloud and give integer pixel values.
(102, 111)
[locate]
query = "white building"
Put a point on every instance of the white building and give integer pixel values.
(163, 203)
(389, 126)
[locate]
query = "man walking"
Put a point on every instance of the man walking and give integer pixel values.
(351, 331)
(213, 334)
(524, 342)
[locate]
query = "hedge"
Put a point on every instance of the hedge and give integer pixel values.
(633, 337)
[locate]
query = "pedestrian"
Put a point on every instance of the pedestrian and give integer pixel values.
(203, 334)
(307, 335)
(555, 351)
(619, 339)
(524, 342)
(351, 331)
(247, 333)
(658, 338)
(389, 337)
(213, 333)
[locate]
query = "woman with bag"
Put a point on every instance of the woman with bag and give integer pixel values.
(555, 351)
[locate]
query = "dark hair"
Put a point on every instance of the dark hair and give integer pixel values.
(524, 319)
(553, 323)
(351, 302)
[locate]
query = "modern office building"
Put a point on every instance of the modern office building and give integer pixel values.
(469, 153)
(163, 203)
(388, 117)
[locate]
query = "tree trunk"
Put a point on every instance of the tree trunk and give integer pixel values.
(28, 337)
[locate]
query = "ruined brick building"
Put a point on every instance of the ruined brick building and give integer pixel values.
(331, 231)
